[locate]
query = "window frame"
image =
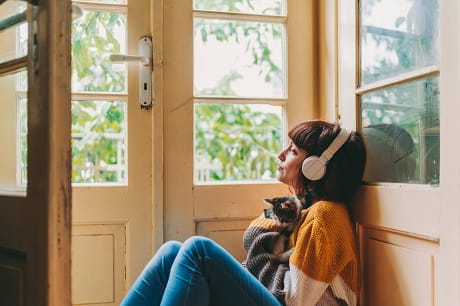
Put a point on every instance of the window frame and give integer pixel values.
(242, 100)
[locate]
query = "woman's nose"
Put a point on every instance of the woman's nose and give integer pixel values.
(281, 155)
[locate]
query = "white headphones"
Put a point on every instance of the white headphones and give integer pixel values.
(314, 167)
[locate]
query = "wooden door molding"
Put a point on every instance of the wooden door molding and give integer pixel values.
(36, 228)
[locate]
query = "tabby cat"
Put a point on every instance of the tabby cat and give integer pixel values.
(286, 212)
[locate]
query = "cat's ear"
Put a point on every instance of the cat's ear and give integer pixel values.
(270, 201)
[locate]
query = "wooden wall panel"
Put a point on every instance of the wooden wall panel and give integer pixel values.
(233, 201)
(93, 262)
(398, 268)
(98, 257)
(228, 233)
(12, 266)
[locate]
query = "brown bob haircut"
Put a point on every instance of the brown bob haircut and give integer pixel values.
(344, 171)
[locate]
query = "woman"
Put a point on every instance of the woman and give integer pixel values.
(323, 269)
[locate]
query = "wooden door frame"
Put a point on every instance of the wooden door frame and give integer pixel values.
(42, 238)
(49, 143)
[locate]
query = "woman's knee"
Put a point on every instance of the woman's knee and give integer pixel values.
(166, 253)
(198, 245)
(198, 240)
(163, 258)
(169, 248)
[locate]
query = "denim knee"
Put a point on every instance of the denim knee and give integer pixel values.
(169, 248)
(199, 246)
(171, 245)
(197, 240)
(166, 253)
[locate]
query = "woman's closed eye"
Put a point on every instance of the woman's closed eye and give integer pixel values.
(292, 148)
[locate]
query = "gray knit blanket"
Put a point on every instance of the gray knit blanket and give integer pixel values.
(260, 261)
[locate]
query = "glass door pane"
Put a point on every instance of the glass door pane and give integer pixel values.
(239, 59)
(14, 39)
(397, 36)
(235, 142)
(99, 142)
(95, 36)
(401, 128)
(13, 87)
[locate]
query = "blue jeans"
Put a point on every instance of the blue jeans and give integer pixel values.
(196, 273)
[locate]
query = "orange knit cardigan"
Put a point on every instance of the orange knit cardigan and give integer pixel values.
(324, 264)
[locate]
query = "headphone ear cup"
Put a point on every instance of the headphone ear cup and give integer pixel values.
(314, 168)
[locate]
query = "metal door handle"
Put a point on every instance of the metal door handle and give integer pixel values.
(145, 69)
(129, 58)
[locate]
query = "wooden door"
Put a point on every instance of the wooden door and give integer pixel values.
(392, 59)
(235, 78)
(35, 202)
(112, 141)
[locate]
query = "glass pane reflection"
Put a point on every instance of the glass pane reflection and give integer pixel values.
(401, 131)
(397, 36)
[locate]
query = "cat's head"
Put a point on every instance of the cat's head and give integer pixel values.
(285, 209)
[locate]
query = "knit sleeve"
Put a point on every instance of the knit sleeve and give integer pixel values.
(259, 240)
(317, 261)
(258, 226)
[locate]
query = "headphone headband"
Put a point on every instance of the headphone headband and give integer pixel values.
(314, 167)
(336, 144)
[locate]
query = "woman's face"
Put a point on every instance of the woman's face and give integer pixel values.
(290, 161)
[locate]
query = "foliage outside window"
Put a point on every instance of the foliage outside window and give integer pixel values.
(94, 37)
(98, 142)
(235, 142)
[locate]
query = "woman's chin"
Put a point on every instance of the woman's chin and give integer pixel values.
(280, 177)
